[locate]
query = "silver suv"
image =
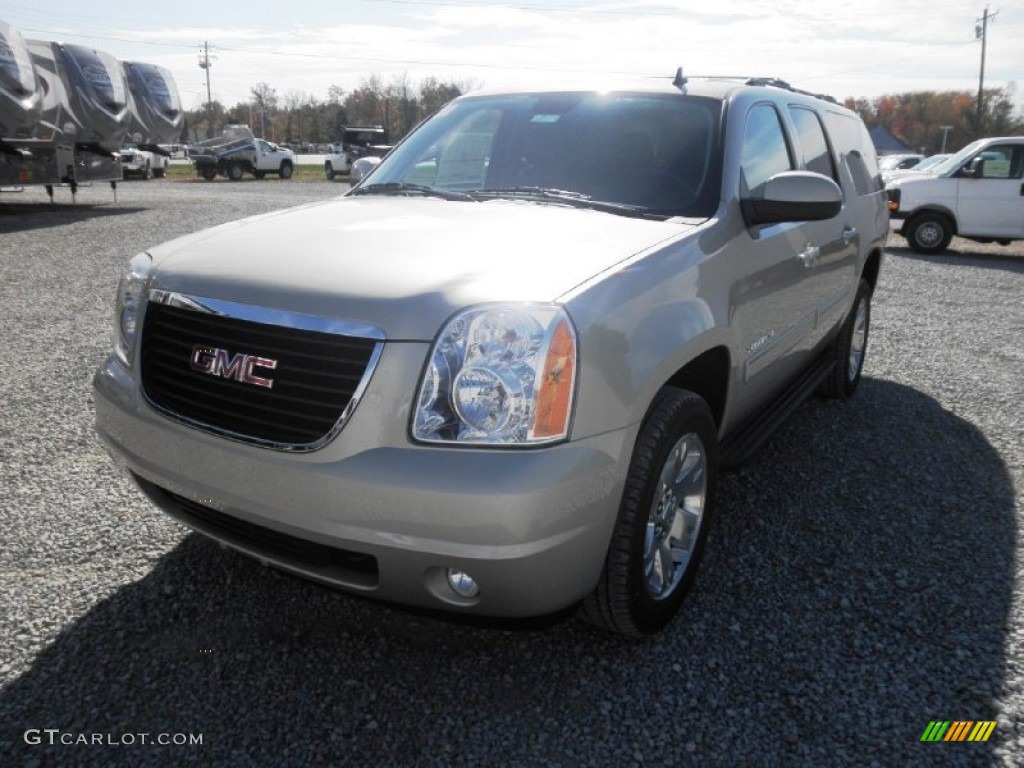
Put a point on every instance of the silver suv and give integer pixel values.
(500, 375)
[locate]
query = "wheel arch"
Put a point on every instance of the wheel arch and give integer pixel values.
(872, 266)
(707, 376)
(939, 209)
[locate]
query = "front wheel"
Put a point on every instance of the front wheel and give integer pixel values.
(850, 347)
(929, 233)
(286, 170)
(329, 171)
(666, 510)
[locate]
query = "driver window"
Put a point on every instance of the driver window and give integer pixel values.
(765, 152)
(1000, 162)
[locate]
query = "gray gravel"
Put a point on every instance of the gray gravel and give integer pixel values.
(863, 578)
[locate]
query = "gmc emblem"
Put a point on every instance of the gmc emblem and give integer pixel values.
(220, 362)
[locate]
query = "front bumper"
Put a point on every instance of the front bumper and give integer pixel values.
(373, 512)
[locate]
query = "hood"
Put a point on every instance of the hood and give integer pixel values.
(402, 264)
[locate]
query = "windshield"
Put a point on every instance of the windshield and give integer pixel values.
(952, 164)
(619, 152)
(929, 163)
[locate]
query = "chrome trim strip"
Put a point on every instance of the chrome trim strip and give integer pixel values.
(779, 345)
(266, 316)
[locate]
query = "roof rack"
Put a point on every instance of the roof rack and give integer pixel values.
(775, 82)
(680, 80)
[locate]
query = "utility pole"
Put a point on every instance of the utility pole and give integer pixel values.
(205, 63)
(981, 33)
(945, 132)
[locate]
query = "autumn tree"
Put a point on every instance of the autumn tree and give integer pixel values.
(930, 121)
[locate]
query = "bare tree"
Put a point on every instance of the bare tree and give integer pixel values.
(265, 100)
(293, 101)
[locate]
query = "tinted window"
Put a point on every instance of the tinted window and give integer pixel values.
(856, 152)
(811, 137)
(765, 152)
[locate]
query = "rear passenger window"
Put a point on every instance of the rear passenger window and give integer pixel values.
(765, 152)
(856, 153)
(811, 137)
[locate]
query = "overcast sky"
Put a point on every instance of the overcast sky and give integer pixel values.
(866, 48)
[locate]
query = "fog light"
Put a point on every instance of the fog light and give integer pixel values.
(462, 583)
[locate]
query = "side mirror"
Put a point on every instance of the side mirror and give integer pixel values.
(794, 196)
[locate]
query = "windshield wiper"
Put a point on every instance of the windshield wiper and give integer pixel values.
(400, 188)
(566, 197)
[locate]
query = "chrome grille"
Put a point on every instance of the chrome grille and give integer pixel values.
(315, 384)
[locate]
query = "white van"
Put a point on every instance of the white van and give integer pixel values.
(976, 194)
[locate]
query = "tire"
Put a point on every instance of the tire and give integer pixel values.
(850, 347)
(235, 171)
(929, 232)
(147, 174)
(329, 171)
(286, 170)
(209, 173)
(668, 498)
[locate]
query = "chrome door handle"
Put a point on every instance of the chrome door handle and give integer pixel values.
(809, 255)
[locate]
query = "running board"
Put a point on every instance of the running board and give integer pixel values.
(740, 444)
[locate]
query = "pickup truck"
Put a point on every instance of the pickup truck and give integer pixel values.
(977, 194)
(143, 163)
(356, 142)
(236, 152)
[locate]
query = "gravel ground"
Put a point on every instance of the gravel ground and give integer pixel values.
(862, 581)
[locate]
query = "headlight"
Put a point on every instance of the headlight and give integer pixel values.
(129, 300)
(500, 374)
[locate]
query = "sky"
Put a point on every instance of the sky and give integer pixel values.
(865, 49)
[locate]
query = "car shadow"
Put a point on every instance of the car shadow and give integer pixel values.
(856, 587)
(1007, 262)
(24, 217)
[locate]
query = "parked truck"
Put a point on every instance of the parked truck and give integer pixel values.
(237, 152)
(356, 142)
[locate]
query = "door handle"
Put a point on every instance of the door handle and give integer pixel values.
(848, 234)
(809, 255)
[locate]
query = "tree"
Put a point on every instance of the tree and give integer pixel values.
(929, 120)
(205, 122)
(265, 100)
(434, 94)
(293, 101)
(365, 105)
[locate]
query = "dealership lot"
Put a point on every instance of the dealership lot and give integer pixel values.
(861, 582)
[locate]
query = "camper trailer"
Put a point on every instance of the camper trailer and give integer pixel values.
(79, 124)
(155, 119)
(20, 95)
